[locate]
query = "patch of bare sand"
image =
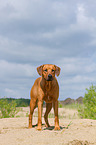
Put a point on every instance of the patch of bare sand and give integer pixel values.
(14, 131)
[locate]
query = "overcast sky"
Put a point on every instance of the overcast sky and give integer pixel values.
(36, 32)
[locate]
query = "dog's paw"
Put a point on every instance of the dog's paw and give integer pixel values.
(39, 128)
(57, 128)
(30, 126)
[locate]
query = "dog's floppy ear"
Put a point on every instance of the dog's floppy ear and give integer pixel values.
(39, 70)
(57, 71)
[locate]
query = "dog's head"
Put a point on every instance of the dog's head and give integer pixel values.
(48, 71)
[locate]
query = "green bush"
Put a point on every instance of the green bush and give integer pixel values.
(7, 109)
(88, 110)
(60, 105)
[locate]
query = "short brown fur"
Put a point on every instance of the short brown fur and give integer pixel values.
(46, 89)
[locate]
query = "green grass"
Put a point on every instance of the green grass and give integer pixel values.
(73, 106)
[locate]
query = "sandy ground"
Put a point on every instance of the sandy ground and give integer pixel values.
(74, 131)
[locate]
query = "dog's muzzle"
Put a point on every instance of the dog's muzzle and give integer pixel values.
(50, 78)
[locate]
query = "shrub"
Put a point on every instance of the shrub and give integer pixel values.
(60, 105)
(7, 109)
(89, 104)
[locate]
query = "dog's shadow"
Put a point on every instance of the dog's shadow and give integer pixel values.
(52, 128)
(48, 128)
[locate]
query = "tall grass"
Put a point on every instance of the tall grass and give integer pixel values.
(74, 106)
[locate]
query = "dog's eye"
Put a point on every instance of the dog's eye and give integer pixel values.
(52, 70)
(45, 70)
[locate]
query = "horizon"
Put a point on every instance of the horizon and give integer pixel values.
(43, 101)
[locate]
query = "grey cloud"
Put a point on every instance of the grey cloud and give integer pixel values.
(39, 32)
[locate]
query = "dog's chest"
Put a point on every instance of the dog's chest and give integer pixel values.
(48, 98)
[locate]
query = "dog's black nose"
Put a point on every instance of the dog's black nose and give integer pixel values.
(50, 76)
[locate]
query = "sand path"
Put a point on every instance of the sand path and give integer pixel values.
(14, 131)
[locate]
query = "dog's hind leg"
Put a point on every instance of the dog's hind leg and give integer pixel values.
(48, 109)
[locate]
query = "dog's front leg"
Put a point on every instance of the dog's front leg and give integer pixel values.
(55, 105)
(40, 103)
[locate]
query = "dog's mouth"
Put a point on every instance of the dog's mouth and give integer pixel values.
(50, 78)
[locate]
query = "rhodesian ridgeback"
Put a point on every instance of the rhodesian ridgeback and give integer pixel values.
(46, 89)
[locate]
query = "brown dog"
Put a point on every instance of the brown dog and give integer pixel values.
(46, 89)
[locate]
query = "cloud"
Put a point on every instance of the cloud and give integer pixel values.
(15, 70)
(39, 32)
(16, 79)
(76, 75)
